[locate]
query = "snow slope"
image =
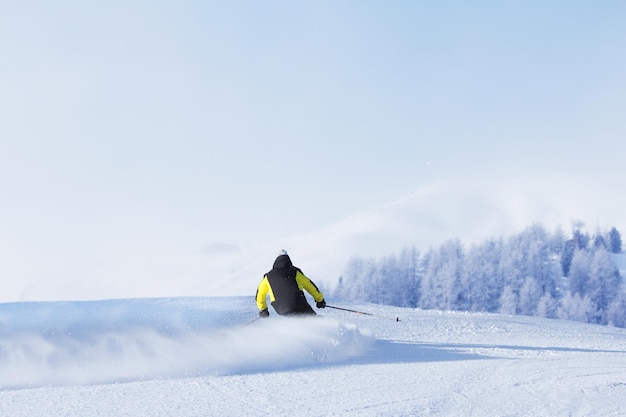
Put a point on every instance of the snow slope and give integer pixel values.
(202, 357)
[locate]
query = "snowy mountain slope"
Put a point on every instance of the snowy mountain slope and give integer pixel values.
(468, 210)
(197, 357)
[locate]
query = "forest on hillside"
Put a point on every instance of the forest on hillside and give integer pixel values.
(534, 272)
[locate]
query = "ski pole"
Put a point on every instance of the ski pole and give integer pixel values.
(250, 322)
(359, 312)
(347, 309)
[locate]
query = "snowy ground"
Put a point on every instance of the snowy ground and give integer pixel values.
(197, 357)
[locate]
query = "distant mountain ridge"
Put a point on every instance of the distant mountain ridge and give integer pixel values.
(471, 211)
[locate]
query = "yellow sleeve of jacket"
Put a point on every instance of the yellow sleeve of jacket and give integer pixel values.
(261, 293)
(307, 284)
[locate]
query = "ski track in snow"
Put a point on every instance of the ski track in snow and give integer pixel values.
(197, 357)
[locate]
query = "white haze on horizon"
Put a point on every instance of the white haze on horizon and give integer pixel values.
(471, 211)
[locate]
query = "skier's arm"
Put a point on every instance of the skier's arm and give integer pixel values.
(261, 294)
(305, 283)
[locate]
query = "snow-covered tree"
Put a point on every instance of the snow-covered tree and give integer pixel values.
(529, 296)
(547, 306)
(579, 272)
(604, 282)
(615, 241)
(455, 292)
(441, 284)
(532, 272)
(575, 307)
(580, 237)
(353, 283)
(510, 266)
(616, 311)
(540, 262)
(484, 283)
(409, 274)
(508, 301)
(599, 241)
(430, 287)
(567, 255)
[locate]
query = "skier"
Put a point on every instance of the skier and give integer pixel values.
(284, 284)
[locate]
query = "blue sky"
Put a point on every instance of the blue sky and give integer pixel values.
(182, 124)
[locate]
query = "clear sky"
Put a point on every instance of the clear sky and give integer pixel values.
(126, 124)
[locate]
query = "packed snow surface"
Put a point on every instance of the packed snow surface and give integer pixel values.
(210, 357)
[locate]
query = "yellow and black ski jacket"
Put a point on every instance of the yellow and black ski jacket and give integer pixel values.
(284, 284)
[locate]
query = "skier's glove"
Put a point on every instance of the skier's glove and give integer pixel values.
(321, 304)
(264, 313)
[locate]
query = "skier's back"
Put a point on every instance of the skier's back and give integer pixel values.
(284, 284)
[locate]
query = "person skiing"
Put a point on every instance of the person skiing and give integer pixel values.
(284, 284)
